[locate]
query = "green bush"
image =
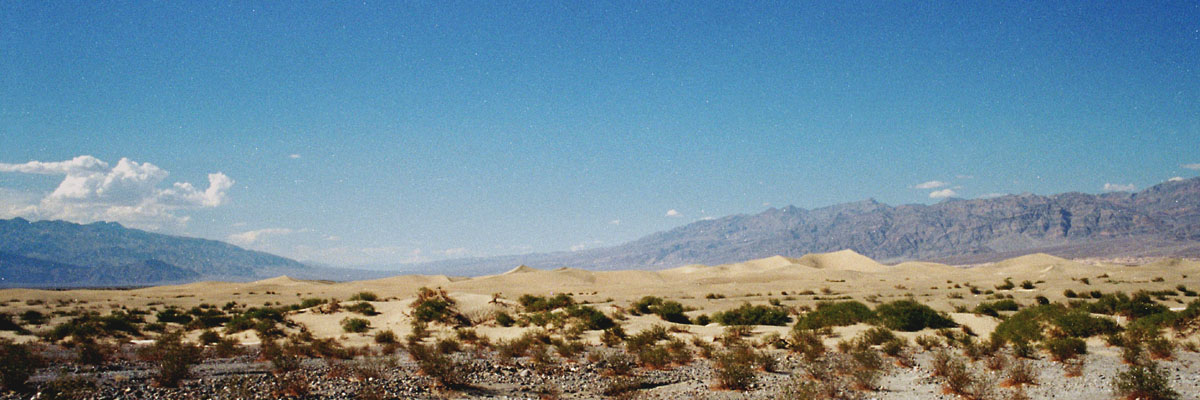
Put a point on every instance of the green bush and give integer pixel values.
(910, 316)
(1146, 382)
(835, 314)
(540, 303)
(310, 303)
(437, 306)
(173, 315)
(364, 296)
(590, 318)
(33, 317)
(753, 315)
(209, 337)
(385, 337)
(363, 308)
(503, 319)
(356, 325)
(1138, 306)
(993, 308)
(670, 311)
(1062, 349)
(1077, 323)
(117, 324)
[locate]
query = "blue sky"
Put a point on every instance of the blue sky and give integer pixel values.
(377, 132)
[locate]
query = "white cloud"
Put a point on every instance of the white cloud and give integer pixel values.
(673, 213)
(1176, 179)
(930, 185)
(294, 156)
(615, 222)
(1114, 187)
(251, 237)
(941, 194)
(1191, 166)
(92, 190)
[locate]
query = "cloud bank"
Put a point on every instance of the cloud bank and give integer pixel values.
(129, 193)
(941, 194)
(673, 213)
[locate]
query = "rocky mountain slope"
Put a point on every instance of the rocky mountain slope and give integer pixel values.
(1163, 220)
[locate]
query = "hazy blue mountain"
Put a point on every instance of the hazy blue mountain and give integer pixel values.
(57, 253)
(1163, 220)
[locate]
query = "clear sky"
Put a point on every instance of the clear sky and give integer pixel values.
(376, 132)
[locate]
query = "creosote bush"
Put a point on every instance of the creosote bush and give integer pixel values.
(1146, 382)
(911, 316)
(748, 314)
(1063, 349)
(173, 356)
(356, 325)
(830, 314)
(668, 310)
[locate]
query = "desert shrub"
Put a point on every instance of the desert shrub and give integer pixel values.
(20, 361)
(612, 336)
(753, 315)
(261, 319)
(364, 296)
(437, 306)
(670, 311)
(66, 387)
(590, 318)
(310, 303)
(448, 346)
(928, 342)
(1077, 323)
(1021, 372)
(443, 369)
(1007, 285)
(1147, 382)
(653, 357)
(807, 343)
(702, 320)
(32, 317)
(173, 357)
(1027, 285)
(876, 336)
(173, 315)
(209, 337)
(90, 352)
(830, 314)
(1160, 348)
(226, 348)
(1070, 294)
(911, 316)
(1138, 306)
(363, 308)
(867, 369)
(385, 337)
(958, 375)
(503, 319)
(533, 303)
(647, 337)
(355, 325)
(993, 308)
(619, 386)
(734, 368)
(1062, 349)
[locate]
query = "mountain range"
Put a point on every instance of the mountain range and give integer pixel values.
(1161, 221)
(65, 254)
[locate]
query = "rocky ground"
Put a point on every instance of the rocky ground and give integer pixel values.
(387, 377)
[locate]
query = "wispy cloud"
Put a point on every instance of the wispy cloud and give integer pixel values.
(673, 213)
(1176, 179)
(129, 192)
(614, 222)
(941, 194)
(252, 237)
(930, 185)
(294, 156)
(1114, 187)
(1191, 166)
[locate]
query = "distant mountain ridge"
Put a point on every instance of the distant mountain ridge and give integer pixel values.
(65, 254)
(1163, 220)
